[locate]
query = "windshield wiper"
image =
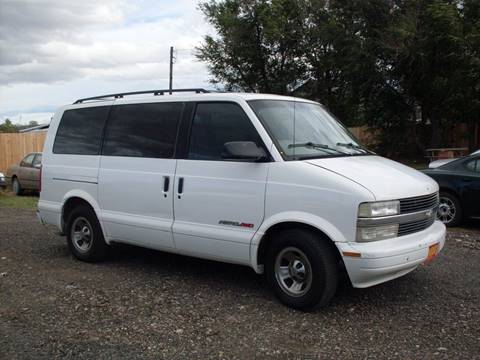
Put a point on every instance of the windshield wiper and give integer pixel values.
(316, 146)
(353, 146)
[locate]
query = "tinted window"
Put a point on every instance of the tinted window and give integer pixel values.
(27, 160)
(215, 124)
(38, 160)
(474, 165)
(142, 130)
(80, 131)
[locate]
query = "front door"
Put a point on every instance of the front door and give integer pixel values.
(136, 173)
(219, 204)
(27, 172)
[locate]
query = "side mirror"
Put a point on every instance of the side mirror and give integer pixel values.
(37, 166)
(243, 150)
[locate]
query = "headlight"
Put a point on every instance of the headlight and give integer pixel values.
(379, 208)
(375, 233)
(369, 229)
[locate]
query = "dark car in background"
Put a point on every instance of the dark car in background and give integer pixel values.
(26, 174)
(459, 183)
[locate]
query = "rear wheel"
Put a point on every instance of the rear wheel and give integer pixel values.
(301, 269)
(16, 187)
(84, 235)
(449, 209)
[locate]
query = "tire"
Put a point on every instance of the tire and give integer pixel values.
(84, 235)
(290, 252)
(16, 187)
(449, 210)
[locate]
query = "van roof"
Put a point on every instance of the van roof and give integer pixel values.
(182, 95)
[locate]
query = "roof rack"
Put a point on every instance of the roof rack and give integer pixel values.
(154, 92)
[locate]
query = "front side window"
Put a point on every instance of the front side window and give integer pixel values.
(474, 165)
(215, 124)
(27, 160)
(142, 130)
(80, 131)
(305, 130)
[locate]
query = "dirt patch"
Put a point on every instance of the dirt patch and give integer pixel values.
(147, 304)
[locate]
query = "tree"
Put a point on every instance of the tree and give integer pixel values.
(426, 44)
(468, 101)
(257, 47)
(346, 58)
(410, 68)
(8, 127)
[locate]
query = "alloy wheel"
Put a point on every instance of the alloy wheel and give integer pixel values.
(446, 210)
(82, 234)
(293, 271)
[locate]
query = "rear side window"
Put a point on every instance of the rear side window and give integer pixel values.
(142, 130)
(80, 131)
(215, 124)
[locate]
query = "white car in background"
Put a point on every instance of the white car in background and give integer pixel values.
(3, 181)
(437, 163)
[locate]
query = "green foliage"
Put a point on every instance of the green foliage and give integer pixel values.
(257, 48)
(8, 127)
(408, 67)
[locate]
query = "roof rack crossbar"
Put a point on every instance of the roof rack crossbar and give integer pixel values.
(154, 92)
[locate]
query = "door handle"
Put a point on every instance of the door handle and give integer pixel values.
(166, 185)
(180, 187)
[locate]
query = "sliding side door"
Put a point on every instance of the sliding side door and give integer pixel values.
(137, 168)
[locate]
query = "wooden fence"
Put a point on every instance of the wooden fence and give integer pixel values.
(365, 135)
(14, 146)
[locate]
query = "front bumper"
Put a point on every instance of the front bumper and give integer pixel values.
(385, 260)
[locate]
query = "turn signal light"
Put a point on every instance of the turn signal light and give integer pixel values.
(351, 254)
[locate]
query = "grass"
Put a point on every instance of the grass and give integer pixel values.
(8, 199)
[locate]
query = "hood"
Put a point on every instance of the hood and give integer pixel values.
(386, 179)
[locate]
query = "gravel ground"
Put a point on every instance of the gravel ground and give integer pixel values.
(146, 304)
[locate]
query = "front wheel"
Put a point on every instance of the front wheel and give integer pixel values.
(449, 209)
(301, 269)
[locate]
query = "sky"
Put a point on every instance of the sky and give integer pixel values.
(54, 52)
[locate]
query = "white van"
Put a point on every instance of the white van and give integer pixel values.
(271, 182)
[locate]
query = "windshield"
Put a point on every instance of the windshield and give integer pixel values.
(305, 130)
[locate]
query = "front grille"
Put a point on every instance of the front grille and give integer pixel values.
(415, 226)
(418, 203)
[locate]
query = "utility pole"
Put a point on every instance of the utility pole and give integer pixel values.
(171, 69)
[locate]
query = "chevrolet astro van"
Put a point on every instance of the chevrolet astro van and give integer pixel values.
(271, 182)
